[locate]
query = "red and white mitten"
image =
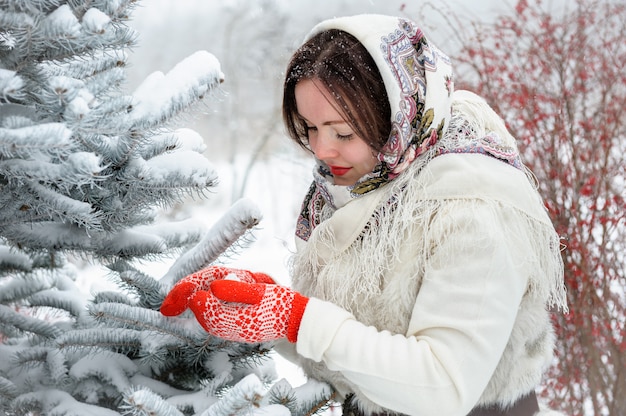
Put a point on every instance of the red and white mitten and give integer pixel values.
(177, 300)
(249, 312)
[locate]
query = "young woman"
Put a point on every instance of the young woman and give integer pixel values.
(425, 261)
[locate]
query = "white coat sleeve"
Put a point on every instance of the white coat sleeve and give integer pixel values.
(461, 322)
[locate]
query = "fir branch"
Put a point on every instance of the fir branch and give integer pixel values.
(46, 139)
(321, 405)
(160, 98)
(323, 397)
(53, 236)
(60, 300)
(57, 368)
(282, 393)
(8, 390)
(81, 67)
(60, 35)
(121, 340)
(78, 169)
(159, 144)
(240, 218)
(9, 317)
(143, 402)
(111, 139)
(108, 367)
(164, 172)
(56, 205)
(176, 233)
(164, 179)
(249, 355)
(12, 259)
(56, 402)
(240, 398)
(31, 357)
(11, 84)
(112, 297)
(56, 236)
(22, 287)
(146, 288)
(141, 319)
(102, 82)
(118, 9)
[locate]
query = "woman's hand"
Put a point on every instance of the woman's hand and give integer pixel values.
(177, 300)
(249, 312)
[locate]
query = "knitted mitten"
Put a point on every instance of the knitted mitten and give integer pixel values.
(177, 300)
(249, 312)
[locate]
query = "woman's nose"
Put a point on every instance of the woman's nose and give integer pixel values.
(324, 146)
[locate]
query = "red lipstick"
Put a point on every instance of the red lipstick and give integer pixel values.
(338, 170)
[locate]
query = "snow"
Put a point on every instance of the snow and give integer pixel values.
(61, 22)
(84, 163)
(11, 258)
(166, 165)
(95, 21)
(9, 82)
(189, 139)
(115, 368)
(160, 91)
(25, 140)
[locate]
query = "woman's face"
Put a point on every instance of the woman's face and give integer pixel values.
(331, 138)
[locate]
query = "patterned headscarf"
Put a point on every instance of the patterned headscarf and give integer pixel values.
(418, 82)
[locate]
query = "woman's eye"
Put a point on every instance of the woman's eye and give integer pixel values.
(311, 128)
(344, 136)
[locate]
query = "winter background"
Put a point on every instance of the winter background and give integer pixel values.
(254, 159)
(240, 127)
(240, 124)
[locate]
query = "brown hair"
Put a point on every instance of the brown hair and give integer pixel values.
(341, 64)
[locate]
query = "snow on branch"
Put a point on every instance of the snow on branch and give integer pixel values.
(161, 143)
(18, 289)
(11, 259)
(246, 394)
(46, 138)
(80, 168)
(11, 84)
(120, 340)
(239, 219)
(62, 300)
(149, 292)
(81, 68)
(57, 402)
(181, 169)
(113, 368)
(60, 34)
(10, 318)
(162, 96)
(136, 318)
(60, 23)
(8, 390)
(51, 204)
(143, 401)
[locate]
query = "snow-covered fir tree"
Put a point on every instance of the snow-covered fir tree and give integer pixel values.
(85, 170)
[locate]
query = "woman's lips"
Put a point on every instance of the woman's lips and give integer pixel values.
(338, 170)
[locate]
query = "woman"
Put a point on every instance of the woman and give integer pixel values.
(425, 261)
